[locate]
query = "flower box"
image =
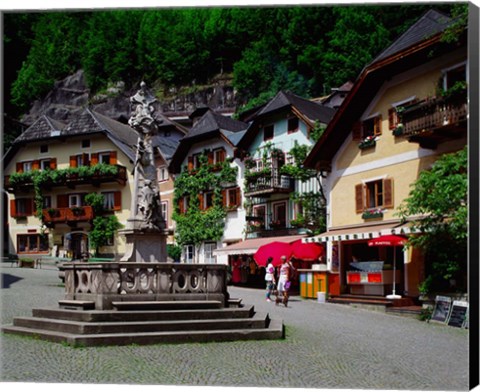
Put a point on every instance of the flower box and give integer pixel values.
(372, 215)
(368, 142)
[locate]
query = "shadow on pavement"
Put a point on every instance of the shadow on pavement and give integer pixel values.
(7, 280)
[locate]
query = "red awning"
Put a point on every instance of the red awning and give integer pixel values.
(250, 246)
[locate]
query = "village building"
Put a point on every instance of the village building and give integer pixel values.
(273, 198)
(215, 137)
(397, 120)
(49, 171)
(165, 143)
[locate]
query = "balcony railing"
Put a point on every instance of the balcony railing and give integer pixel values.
(273, 182)
(259, 227)
(66, 177)
(67, 215)
(432, 121)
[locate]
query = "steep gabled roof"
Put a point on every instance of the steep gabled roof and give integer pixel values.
(286, 99)
(210, 125)
(412, 49)
(44, 128)
(283, 101)
(86, 123)
(212, 122)
(431, 23)
(167, 147)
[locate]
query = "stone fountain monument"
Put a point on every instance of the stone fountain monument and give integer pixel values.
(146, 229)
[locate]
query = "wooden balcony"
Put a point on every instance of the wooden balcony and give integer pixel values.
(68, 215)
(269, 184)
(437, 120)
(68, 178)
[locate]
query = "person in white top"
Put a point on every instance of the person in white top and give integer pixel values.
(283, 282)
(269, 278)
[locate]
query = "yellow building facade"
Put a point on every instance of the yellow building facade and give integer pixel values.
(396, 122)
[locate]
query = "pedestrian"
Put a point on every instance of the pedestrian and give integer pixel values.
(269, 278)
(283, 282)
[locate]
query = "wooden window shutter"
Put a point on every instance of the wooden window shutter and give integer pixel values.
(388, 193)
(113, 157)
(29, 207)
(73, 161)
(392, 115)
(190, 163)
(62, 201)
(200, 200)
(181, 207)
(359, 200)
(53, 163)
(239, 197)
(13, 208)
(224, 198)
(377, 127)
(210, 157)
(117, 200)
(86, 159)
(94, 160)
(19, 167)
(221, 155)
(357, 131)
(36, 164)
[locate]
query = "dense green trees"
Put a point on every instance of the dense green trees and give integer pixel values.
(307, 49)
(439, 200)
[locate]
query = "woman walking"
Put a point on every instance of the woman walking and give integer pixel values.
(269, 278)
(283, 282)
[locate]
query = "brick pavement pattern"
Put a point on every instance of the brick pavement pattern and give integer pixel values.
(326, 346)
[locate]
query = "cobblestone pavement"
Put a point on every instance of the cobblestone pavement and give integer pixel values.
(326, 346)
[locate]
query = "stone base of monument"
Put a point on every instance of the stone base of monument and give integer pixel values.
(143, 245)
(146, 303)
(147, 323)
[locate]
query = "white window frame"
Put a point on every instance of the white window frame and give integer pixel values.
(209, 247)
(73, 199)
(162, 174)
(27, 166)
(164, 209)
(189, 253)
(109, 200)
(42, 163)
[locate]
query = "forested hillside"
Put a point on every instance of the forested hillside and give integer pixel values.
(306, 49)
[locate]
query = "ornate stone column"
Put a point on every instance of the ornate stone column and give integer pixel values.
(146, 229)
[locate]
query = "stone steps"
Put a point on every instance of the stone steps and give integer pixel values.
(275, 330)
(76, 327)
(143, 322)
(150, 315)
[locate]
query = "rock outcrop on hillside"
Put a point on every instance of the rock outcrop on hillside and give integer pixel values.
(71, 95)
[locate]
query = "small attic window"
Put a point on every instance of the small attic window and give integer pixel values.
(44, 148)
(86, 143)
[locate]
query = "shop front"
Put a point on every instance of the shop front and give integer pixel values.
(365, 270)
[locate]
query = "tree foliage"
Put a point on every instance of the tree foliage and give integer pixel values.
(438, 204)
(306, 49)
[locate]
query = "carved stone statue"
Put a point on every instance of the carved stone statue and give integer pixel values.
(146, 202)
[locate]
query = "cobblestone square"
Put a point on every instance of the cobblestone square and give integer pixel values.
(326, 346)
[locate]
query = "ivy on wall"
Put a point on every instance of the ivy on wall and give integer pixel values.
(195, 224)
